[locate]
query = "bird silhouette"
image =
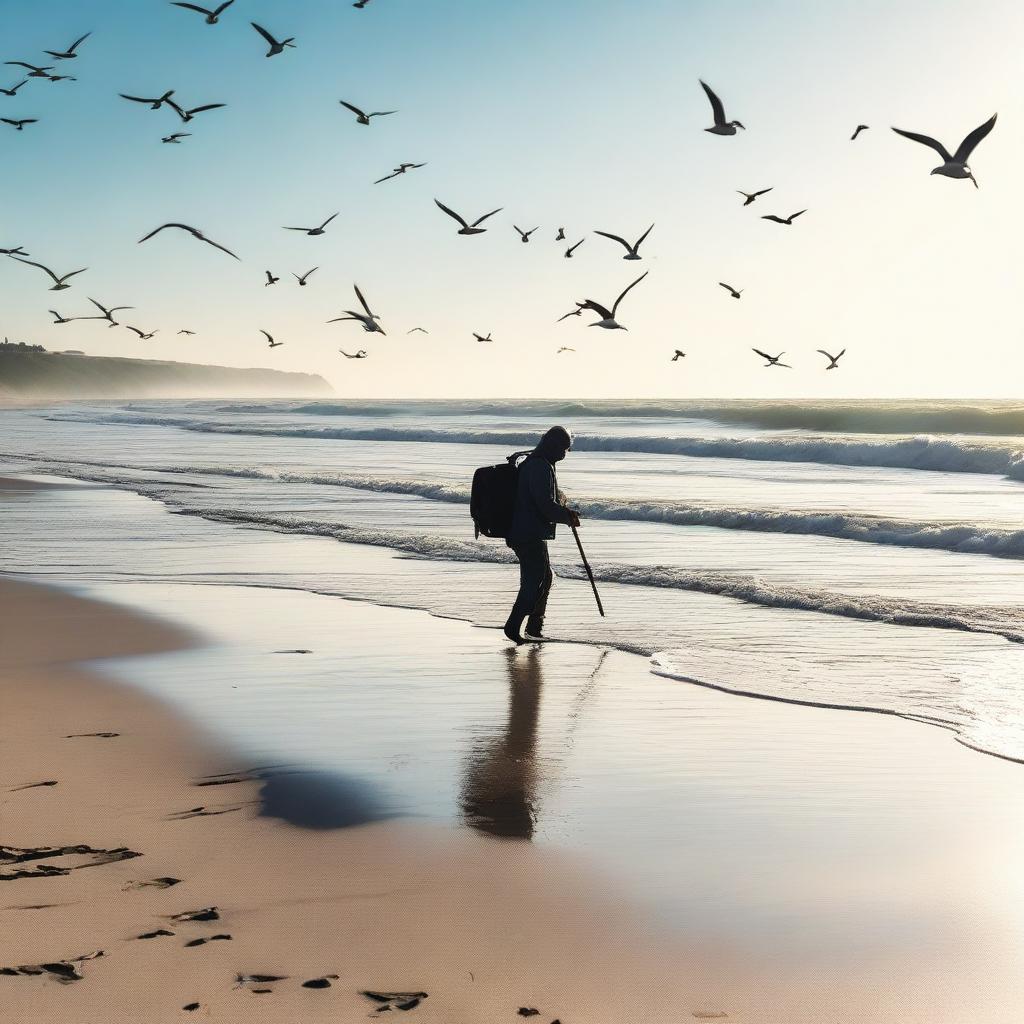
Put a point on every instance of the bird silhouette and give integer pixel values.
(315, 231)
(270, 279)
(607, 321)
(187, 115)
(34, 71)
(560, 237)
(16, 251)
(195, 232)
(186, 332)
(400, 169)
(69, 53)
(480, 337)
(367, 319)
(19, 125)
(108, 314)
(783, 220)
(14, 89)
(772, 360)
(564, 348)
(361, 116)
(749, 197)
(212, 17)
(860, 128)
(421, 330)
(361, 354)
(270, 340)
(302, 280)
(721, 126)
(58, 319)
(154, 104)
(833, 361)
(59, 283)
(732, 291)
(143, 335)
(524, 236)
(573, 248)
(468, 229)
(275, 46)
(176, 137)
(955, 165)
(632, 252)
(679, 355)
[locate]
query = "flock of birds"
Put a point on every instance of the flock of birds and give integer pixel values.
(954, 165)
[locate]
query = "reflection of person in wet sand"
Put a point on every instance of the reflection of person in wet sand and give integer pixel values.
(500, 777)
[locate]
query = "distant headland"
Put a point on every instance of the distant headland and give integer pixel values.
(29, 371)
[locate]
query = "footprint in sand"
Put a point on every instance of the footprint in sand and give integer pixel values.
(206, 914)
(154, 935)
(22, 855)
(33, 785)
(64, 971)
(205, 812)
(203, 942)
(158, 883)
(89, 735)
(395, 1000)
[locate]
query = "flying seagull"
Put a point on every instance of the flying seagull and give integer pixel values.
(108, 314)
(954, 166)
(732, 291)
(315, 231)
(154, 104)
(16, 251)
(270, 340)
(364, 118)
(367, 319)
(62, 78)
(186, 332)
(480, 337)
(360, 4)
(143, 335)
(721, 126)
(524, 235)
(58, 319)
(271, 279)
(468, 229)
(833, 360)
(361, 354)
(564, 348)
(194, 232)
(34, 72)
(607, 316)
(176, 137)
(187, 115)
(59, 283)
(772, 360)
(860, 128)
(420, 329)
(69, 53)
(302, 280)
(749, 197)
(212, 17)
(19, 125)
(783, 220)
(631, 250)
(275, 46)
(560, 237)
(573, 248)
(679, 355)
(400, 169)
(14, 89)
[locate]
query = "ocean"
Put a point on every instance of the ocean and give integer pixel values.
(862, 555)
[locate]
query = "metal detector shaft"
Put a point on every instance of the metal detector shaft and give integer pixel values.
(590, 574)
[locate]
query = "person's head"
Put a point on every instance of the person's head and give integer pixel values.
(555, 443)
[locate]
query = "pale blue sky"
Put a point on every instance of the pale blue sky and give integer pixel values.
(585, 114)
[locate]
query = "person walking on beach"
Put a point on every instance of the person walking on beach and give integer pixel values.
(539, 506)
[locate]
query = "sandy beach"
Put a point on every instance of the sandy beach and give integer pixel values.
(96, 824)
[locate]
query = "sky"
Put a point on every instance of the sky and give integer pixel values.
(582, 114)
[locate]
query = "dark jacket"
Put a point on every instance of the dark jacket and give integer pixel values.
(537, 508)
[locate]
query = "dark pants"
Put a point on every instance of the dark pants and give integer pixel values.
(534, 584)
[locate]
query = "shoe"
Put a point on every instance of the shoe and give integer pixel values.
(511, 630)
(535, 629)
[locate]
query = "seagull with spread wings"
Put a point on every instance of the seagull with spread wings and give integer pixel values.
(749, 197)
(679, 355)
(212, 17)
(783, 220)
(302, 280)
(315, 231)
(194, 232)
(524, 236)
(108, 314)
(772, 360)
(954, 165)
(367, 319)
(187, 115)
(833, 361)
(856, 131)
(480, 337)
(607, 321)
(361, 354)
(732, 291)
(721, 126)
(468, 229)
(59, 283)
(400, 169)
(176, 137)
(13, 91)
(632, 252)
(19, 125)
(573, 248)
(270, 279)
(69, 53)
(154, 104)
(275, 46)
(34, 72)
(361, 116)
(270, 340)
(143, 335)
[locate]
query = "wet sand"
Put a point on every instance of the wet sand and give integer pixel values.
(104, 788)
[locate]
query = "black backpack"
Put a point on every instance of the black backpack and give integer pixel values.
(493, 497)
